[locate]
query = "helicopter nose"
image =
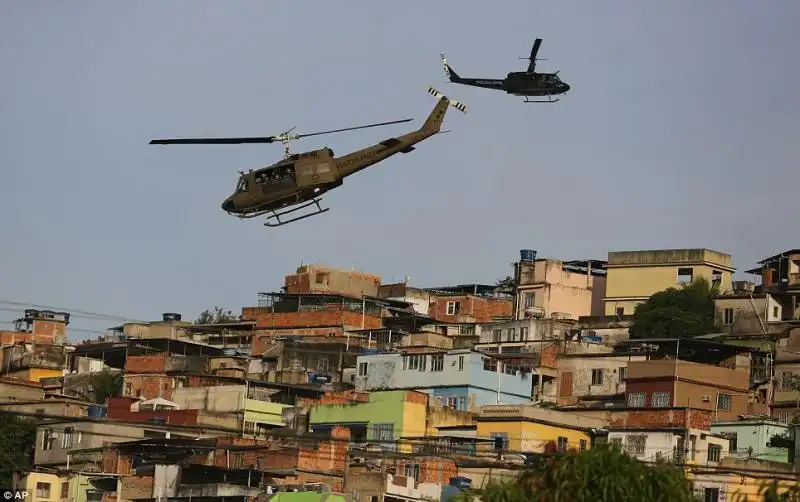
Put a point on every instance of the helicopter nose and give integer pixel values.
(566, 87)
(227, 206)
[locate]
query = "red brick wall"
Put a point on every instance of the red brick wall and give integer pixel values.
(149, 386)
(416, 397)
(432, 470)
(665, 417)
(331, 317)
(176, 417)
(146, 364)
(550, 356)
(482, 309)
(649, 387)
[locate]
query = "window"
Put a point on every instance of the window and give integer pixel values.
(416, 361)
(453, 308)
(512, 335)
(561, 444)
(622, 372)
(437, 362)
(661, 399)
(636, 399)
(724, 402)
(523, 334)
(530, 300)
(249, 428)
(411, 471)
(383, 432)
(242, 186)
(597, 376)
(489, 364)
(499, 440)
(66, 439)
(685, 275)
(497, 334)
(47, 439)
(362, 369)
(716, 277)
(727, 316)
(466, 329)
(783, 418)
(128, 389)
(711, 495)
(692, 446)
(732, 438)
(583, 444)
(775, 313)
(64, 490)
(714, 452)
(322, 363)
(617, 442)
(42, 490)
(452, 402)
(460, 363)
(635, 444)
(620, 311)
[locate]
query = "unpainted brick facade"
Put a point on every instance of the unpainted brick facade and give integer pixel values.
(431, 469)
(156, 363)
(42, 331)
(664, 417)
(334, 316)
(147, 386)
(470, 308)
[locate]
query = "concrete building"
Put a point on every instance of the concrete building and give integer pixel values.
(592, 372)
(780, 276)
(321, 279)
(650, 444)
(465, 379)
(690, 373)
(743, 310)
(419, 298)
(786, 396)
(34, 362)
(553, 288)
(530, 429)
(38, 326)
(633, 276)
(519, 331)
(749, 437)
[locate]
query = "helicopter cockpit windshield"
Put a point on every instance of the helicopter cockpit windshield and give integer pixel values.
(242, 185)
(553, 79)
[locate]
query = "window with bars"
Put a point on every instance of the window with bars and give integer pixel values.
(597, 376)
(636, 399)
(383, 433)
(724, 402)
(635, 444)
(561, 444)
(437, 362)
(714, 452)
(661, 399)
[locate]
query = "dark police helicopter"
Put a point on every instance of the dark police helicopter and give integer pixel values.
(519, 83)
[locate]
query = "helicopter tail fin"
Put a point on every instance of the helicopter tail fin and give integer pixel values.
(451, 75)
(435, 119)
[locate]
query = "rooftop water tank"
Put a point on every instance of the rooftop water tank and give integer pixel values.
(170, 316)
(527, 255)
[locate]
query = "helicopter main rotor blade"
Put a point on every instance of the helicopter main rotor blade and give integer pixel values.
(354, 128)
(534, 53)
(214, 141)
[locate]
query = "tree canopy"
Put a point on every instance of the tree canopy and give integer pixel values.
(600, 473)
(106, 384)
(216, 316)
(17, 442)
(683, 312)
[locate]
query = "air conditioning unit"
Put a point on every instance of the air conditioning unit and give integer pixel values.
(705, 399)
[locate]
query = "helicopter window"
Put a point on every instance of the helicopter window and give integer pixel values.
(242, 187)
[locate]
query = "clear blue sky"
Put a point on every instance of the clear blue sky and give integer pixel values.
(681, 130)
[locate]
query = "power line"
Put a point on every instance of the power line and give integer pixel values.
(469, 461)
(72, 312)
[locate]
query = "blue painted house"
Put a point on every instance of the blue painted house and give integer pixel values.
(463, 379)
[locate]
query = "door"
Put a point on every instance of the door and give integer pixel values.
(565, 386)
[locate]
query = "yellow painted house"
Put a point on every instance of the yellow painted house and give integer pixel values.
(46, 487)
(633, 276)
(529, 429)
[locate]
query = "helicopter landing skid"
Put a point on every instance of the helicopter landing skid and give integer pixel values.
(526, 100)
(276, 216)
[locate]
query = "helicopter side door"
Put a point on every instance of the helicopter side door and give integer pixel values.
(315, 171)
(280, 178)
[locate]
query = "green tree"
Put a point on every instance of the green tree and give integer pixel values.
(17, 442)
(217, 316)
(676, 312)
(599, 474)
(106, 384)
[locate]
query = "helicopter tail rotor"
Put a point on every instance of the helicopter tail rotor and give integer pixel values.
(455, 104)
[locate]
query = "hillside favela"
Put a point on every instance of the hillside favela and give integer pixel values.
(340, 386)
